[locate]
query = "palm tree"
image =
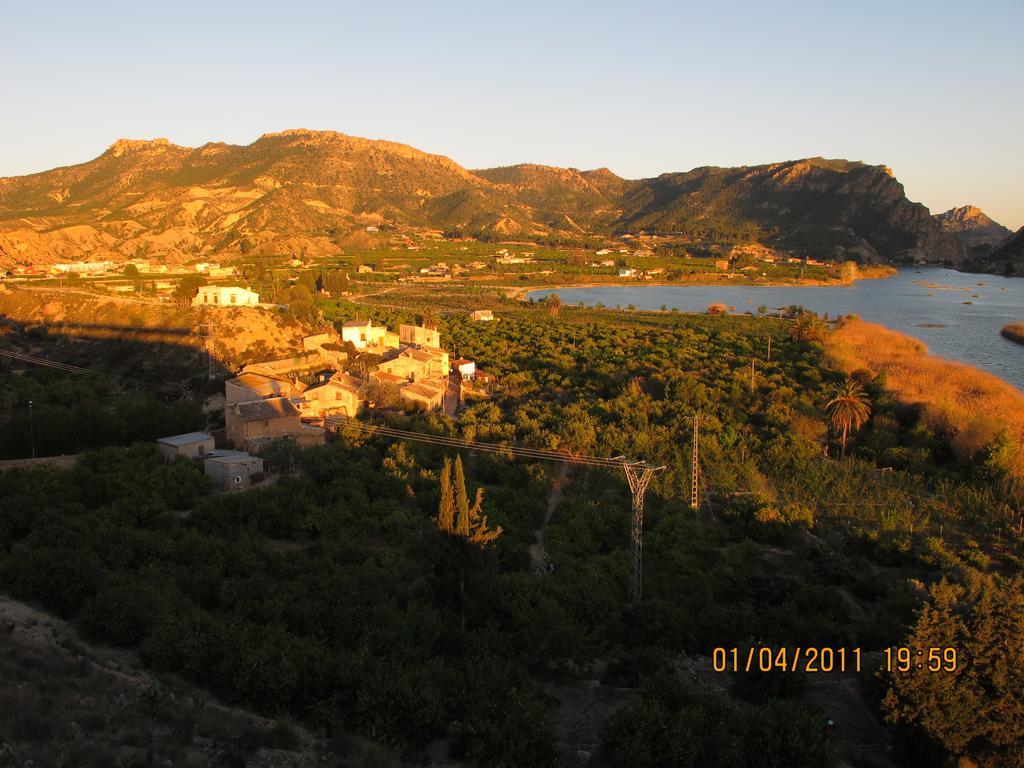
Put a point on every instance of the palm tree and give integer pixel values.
(554, 305)
(848, 409)
(808, 328)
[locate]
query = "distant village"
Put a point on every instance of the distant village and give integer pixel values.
(307, 395)
(303, 396)
(627, 261)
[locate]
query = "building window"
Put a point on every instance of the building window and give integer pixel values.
(234, 298)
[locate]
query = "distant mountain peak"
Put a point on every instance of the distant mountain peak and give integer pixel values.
(970, 224)
(968, 214)
(124, 146)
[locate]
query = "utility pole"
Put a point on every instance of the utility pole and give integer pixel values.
(31, 430)
(638, 475)
(694, 498)
(205, 328)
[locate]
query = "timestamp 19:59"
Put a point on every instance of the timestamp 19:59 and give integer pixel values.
(933, 659)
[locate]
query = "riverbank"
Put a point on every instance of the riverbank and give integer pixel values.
(970, 405)
(1013, 332)
(878, 272)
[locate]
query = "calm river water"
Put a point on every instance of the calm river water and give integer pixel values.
(926, 302)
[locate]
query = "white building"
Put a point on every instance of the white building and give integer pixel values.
(418, 335)
(627, 272)
(484, 315)
(84, 267)
(363, 334)
(225, 296)
(466, 368)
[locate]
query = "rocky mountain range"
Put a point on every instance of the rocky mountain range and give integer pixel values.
(306, 191)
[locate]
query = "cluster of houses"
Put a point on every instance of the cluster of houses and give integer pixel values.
(294, 397)
(214, 270)
(640, 274)
(507, 258)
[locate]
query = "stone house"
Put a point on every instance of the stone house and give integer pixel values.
(258, 420)
(418, 335)
(303, 362)
(338, 396)
(425, 395)
(416, 364)
(189, 445)
(232, 469)
(249, 386)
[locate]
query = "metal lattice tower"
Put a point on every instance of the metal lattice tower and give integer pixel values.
(639, 476)
(694, 480)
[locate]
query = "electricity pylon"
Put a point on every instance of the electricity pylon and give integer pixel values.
(638, 475)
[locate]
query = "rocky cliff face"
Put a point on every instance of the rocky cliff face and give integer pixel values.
(972, 227)
(1008, 257)
(304, 192)
(832, 209)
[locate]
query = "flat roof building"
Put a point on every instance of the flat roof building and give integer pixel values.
(189, 445)
(232, 469)
(225, 296)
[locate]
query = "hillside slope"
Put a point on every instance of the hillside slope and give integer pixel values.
(237, 336)
(303, 192)
(1008, 257)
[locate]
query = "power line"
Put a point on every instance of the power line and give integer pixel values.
(638, 473)
(566, 455)
(166, 389)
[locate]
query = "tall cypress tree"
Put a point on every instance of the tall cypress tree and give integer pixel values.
(446, 509)
(461, 501)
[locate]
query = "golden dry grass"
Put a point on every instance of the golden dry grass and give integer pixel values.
(972, 406)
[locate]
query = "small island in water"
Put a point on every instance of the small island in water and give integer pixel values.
(1014, 332)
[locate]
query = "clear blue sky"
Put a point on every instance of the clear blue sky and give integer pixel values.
(931, 89)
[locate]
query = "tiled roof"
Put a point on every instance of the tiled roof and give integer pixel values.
(285, 364)
(266, 410)
(388, 376)
(426, 389)
(260, 383)
(344, 380)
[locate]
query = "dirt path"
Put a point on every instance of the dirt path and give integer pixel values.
(358, 296)
(453, 394)
(540, 563)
